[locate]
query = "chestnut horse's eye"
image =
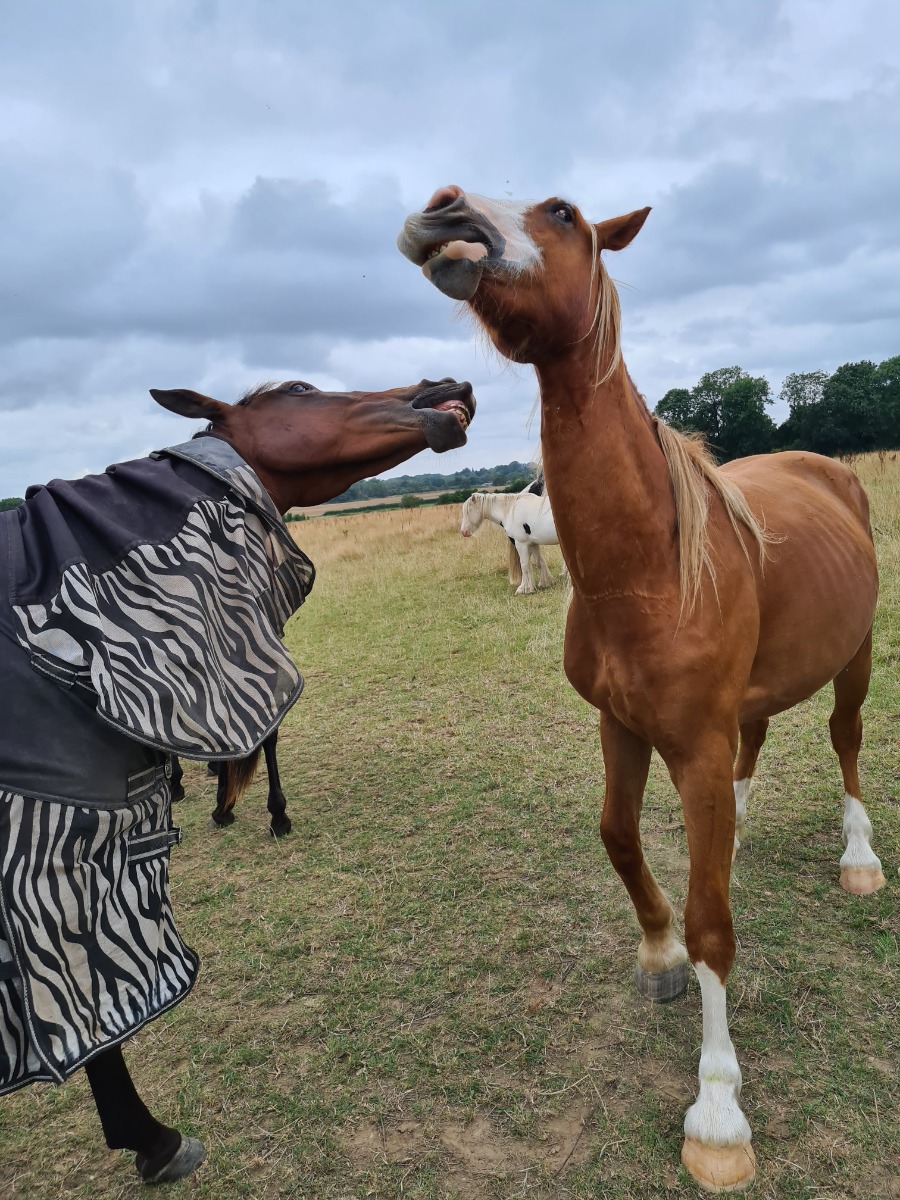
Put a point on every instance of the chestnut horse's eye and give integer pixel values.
(564, 213)
(295, 388)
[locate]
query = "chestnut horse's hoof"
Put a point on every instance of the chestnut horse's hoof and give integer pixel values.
(662, 986)
(719, 1168)
(862, 881)
(186, 1159)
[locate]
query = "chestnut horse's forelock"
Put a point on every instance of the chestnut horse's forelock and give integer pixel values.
(691, 466)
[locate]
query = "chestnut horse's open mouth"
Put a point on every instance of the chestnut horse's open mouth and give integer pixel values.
(452, 243)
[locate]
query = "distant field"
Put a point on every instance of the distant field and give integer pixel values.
(426, 990)
(320, 510)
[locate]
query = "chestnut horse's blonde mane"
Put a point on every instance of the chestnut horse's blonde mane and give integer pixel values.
(690, 464)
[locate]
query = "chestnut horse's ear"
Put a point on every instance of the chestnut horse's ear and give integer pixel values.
(189, 404)
(617, 232)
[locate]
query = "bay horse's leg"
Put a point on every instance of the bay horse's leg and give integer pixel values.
(162, 1153)
(276, 803)
(222, 815)
(860, 867)
(526, 587)
(661, 973)
(753, 734)
(717, 1149)
(177, 781)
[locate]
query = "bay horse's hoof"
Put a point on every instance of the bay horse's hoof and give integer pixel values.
(281, 828)
(862, 881)
(662, 986)
(186, 1159)
(223, 819)
(719, 1168)
(178, 793)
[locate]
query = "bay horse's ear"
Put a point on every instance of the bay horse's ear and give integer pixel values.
(189, 404)
(617, 232)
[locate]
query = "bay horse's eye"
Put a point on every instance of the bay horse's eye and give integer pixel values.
(300, 387)
(564, 213)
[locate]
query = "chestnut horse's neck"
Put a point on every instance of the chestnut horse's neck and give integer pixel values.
(607, 478)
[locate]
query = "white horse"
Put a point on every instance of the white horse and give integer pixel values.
(527, 521)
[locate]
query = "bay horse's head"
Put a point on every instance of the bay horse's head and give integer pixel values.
(532, 273)
(308, 446)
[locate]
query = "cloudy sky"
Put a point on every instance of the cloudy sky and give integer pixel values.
(206, 193)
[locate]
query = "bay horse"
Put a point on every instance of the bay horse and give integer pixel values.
(228, 778)
(527, 521)
(141, 614)
(704, 599)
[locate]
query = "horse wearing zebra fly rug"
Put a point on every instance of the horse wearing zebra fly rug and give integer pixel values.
(141, 614)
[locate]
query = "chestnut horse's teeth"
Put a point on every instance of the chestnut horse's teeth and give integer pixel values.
(438, 250)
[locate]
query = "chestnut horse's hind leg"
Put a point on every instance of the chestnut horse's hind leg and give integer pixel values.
(717, 1149)
(662, 971)
(276, 803)
(860, 867)
(162, 1154)
(753, 734)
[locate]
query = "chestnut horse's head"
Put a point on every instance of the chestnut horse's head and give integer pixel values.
(308, 446)
(531, 272)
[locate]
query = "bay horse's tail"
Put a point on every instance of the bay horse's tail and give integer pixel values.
(235, 777)
(515, 565)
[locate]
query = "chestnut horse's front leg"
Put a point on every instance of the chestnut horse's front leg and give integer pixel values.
(162, 1153)
(717, 1149)
(662, 972)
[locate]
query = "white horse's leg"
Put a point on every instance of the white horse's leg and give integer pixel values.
(527, 584)
(545, 579)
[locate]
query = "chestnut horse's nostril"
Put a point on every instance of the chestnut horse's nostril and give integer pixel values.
(444, 197)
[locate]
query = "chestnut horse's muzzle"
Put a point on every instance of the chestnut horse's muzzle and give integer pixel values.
(451, 242)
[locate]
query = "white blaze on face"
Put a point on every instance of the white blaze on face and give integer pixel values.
(508, 216)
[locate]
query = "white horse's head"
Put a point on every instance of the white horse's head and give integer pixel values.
(472, 514)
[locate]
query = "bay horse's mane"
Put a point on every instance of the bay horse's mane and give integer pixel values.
(690, 464)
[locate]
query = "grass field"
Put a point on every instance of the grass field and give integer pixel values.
(426, 990)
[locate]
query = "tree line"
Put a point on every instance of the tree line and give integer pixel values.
(851, 411)
(467, 480)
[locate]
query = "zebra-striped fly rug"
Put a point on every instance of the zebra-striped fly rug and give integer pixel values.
(141, 614)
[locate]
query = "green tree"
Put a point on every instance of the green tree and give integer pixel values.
(708, 398)
(677, 408)
(847, 417)
(410, 501)
(886, 398)
(802, 392)
(10, 502)
(746, 427)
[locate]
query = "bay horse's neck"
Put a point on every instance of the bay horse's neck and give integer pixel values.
(607, 479)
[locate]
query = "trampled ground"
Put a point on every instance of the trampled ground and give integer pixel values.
(425, 991)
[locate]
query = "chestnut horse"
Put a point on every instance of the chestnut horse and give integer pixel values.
(705, 599)
(285, 445)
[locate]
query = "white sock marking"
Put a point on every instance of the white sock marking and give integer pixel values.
(857, 831)
(741, 796)
(715, 1117)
